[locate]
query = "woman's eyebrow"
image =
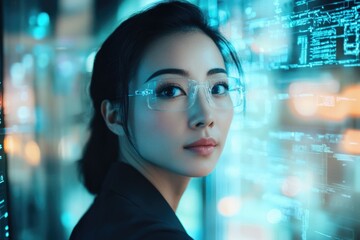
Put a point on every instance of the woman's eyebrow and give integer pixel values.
(182, 72)
(216, 70)
(168, 71)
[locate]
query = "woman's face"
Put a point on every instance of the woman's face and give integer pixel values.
(187, 142)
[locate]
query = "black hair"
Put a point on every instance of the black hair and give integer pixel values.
(116, 64)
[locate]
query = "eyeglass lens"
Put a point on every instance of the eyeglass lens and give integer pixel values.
(178, 94)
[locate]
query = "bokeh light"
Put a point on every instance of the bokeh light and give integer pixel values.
(229, 206)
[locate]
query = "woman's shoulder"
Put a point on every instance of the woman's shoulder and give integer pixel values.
(124, 220)
(129, 207)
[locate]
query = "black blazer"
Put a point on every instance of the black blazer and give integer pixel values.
(129, 207)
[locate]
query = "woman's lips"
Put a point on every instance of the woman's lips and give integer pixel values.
(203, 147)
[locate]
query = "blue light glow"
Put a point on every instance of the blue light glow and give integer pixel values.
(43, 19)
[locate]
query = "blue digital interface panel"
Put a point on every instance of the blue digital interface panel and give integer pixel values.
(306, 34)
(292, 167)
(4, 214)
(4, 222)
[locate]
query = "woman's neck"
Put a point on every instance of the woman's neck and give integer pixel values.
(169, 184)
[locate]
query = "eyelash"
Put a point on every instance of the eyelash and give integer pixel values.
(160, 89)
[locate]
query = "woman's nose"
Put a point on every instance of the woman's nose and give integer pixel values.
(201, 114)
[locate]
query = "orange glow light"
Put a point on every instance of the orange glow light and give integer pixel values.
(11, 145)
(229, 206)
(315, 100)
(351, 141)
(352, 94)
(32, 153)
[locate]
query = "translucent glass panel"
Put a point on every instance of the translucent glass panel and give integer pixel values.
(292, 164)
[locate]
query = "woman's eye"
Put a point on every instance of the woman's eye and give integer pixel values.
(170, 92)
(220, 89)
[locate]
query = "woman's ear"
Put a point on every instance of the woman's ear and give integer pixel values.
(112, 118)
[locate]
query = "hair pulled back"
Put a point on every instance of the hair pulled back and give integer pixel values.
(116, 64)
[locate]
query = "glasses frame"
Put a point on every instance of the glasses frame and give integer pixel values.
(147, 91)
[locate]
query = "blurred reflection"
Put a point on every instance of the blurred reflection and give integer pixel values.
(49, 52)
(322, 100)
(44, 101)
(351, 141)
(229, 206)
(291, 164)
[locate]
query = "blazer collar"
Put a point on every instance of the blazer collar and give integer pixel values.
(124, 180)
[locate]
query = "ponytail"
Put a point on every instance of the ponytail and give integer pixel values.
(101, 150)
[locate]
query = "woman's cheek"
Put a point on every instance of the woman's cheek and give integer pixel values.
(159, 133)
(158, 124)
(167, 122)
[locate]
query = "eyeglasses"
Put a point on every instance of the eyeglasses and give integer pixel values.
(179, 94)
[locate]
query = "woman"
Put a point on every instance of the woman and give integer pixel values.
(163, 104)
